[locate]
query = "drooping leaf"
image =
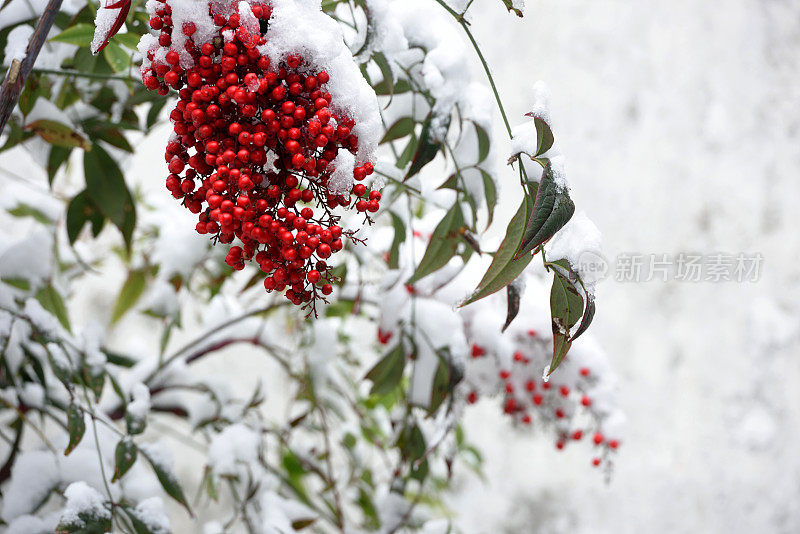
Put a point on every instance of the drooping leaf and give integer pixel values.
(167, 480)
(125, 455)
(569, 303)
(58, 134)
(106, 187)
(386, 85)
(483, 142)
(403, 127)
(81, 210)
(443, 244)
(430, 142)
(511, 8)
(388, 372)
(445, 380)
(551, 211)
(58, 155)
(513, 296)
(544, 136)
(504, 267)
(131, 290)
(399, 239)
(490, 192)
(51, 300)
(76, 427)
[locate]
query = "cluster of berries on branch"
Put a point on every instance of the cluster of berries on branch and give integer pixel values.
(567, 406)
(256, 147)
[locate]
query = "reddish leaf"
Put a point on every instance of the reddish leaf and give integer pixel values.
(124, 7)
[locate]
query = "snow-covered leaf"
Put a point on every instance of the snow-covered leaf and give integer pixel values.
(551, 211)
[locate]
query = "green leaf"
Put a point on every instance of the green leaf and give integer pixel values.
(403, 127)
(399, 239)
(428, 145)
(511, 9)
(81, 210)
(504, 267)
(490, 191)
(567, 307)
(388, 372)
(106, 187)
(551, 211)
(128, 40)
(86, 523)
(446, 378)
(544, 136)
(411, 444)
(76, 427)
(124, 457)
(36, 86)
(20, 283)
(387, 83)
(513, 297)
(131, 290)
(408, 152)
(58, 155)
(155, 109)
(58, 134)
(118, 58)
(26, 210)
(168, 481)
(443, 244)
(80, 34)
(51, 301)
(483, 142)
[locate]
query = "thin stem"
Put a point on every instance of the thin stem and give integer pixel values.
(91, 75)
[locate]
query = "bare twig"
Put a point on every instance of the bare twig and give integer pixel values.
(19, 70)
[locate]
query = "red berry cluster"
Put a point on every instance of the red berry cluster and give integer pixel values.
(253, 150)
(550, 403)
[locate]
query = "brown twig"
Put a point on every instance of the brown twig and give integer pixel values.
(19, 70)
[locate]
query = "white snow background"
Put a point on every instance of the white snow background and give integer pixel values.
(680, 121)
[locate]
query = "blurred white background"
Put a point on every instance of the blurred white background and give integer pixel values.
(679, 120)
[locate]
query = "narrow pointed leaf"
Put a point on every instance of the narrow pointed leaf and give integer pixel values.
(551, 211)
(76, 427)
(443, 244)
(504, 267)
(124, 457)
(388, 372)
(429, 145)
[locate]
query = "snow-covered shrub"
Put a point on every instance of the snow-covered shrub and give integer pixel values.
(409, 326)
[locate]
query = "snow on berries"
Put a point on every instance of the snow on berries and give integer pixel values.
(274, 129)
